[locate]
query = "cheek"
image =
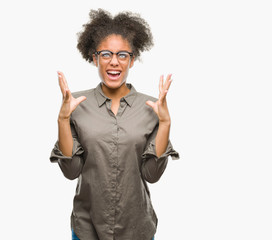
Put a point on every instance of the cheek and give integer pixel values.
(101, 73)
(129, 66)
(101, 68)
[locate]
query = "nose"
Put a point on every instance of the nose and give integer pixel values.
(114, 61)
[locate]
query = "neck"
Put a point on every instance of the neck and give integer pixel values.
(115, 93)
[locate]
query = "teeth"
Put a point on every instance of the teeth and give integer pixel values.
(113, 72)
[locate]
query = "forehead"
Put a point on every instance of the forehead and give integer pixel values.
(114, 43)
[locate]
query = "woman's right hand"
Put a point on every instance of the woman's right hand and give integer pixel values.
(69, 103)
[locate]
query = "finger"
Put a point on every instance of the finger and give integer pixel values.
(161, 84)
(63, 78)
(61, 84)
(168, 82)
(150, 104)
(166, 87)
(67, 96)
(163, 96)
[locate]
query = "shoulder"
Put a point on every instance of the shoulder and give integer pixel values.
(86, 104)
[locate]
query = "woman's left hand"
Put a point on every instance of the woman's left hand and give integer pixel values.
(160, 106)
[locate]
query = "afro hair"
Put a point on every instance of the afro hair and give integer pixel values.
(129, 25)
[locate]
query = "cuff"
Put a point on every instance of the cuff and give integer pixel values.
(56, 153)
(151, 152)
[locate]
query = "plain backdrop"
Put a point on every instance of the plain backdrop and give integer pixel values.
(220, 55)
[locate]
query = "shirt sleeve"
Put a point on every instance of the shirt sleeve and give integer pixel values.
(70, 166)
(152, 165)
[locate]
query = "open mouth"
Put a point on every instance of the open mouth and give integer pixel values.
(113, 74)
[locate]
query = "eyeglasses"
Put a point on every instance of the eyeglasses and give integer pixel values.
(122, 56)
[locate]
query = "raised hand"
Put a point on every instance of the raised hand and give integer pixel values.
(160, 106)
(69, 103)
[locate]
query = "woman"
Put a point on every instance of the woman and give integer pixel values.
(113, 138)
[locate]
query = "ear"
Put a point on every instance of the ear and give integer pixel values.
(95, 60)
(132, 62)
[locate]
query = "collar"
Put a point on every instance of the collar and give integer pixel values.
(102, 98)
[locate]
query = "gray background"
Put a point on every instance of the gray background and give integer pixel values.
(219, 53)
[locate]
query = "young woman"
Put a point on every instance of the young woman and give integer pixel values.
(113, 138)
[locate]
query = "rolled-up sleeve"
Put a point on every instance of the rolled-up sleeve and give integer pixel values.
(70, 166)
(153, 166)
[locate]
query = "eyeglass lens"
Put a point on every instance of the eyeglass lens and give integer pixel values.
(107, 55)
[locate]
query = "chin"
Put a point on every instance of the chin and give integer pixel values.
(113, 84)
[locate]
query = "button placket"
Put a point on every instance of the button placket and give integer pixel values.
(122, 107)
(114, 164)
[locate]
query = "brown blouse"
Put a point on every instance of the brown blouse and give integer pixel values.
(113, 157)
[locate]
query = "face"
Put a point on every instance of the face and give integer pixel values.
(113, 71)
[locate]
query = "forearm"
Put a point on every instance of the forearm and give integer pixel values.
(65, 138)
(162, 137)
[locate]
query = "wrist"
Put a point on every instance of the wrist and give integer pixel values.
(63, 119)
(166, 123)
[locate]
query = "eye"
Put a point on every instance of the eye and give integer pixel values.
(123, 55)
(105, 54)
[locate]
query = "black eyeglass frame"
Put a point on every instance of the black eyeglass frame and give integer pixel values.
(98, 52)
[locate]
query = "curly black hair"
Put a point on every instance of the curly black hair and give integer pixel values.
(102, 24)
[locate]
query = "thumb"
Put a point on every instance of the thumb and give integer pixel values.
(150, 104)
(80, 99)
